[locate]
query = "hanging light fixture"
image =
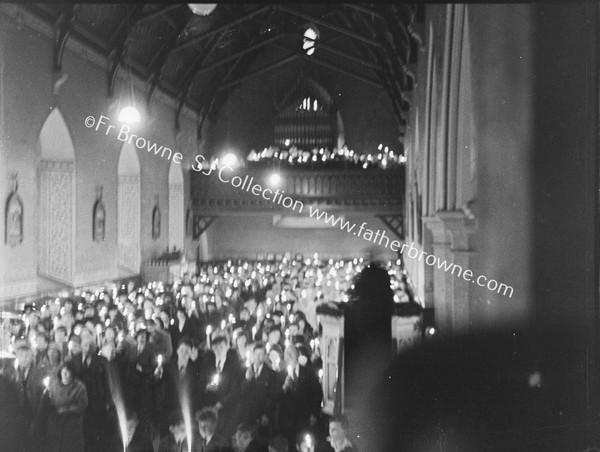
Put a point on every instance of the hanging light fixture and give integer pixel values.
(202, 9)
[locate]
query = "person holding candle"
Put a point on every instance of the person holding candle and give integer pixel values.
(224, 396)
(68, 398)
(258, 389)
(160, 338)
(302, 396)
(177, 379)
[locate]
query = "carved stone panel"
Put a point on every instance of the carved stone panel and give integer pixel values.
(129, 222)
(176, 216)
(56, 220)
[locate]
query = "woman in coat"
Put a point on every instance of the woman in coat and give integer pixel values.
(68, 400)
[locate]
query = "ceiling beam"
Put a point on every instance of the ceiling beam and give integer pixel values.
(159, 12)
(188, 79)
(63, 29)
(209, 102)
(336, 28)
(120, 46)
(241, 53)
(223, 28)
(364, 9)
(399, 73)
(158, 61)
(384, 76)
(336, 68)
(261, 71)
(348, 56)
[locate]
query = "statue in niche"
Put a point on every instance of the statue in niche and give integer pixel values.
(156, 220)
(13, 220)
(98, 218)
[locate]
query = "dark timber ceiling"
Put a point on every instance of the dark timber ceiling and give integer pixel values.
(199, 60)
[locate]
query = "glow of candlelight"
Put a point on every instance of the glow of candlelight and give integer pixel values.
(159, 360)
(308, 440)
(215, 380)
(223, 324)
(46, 382)
(254, 331)
(312, 344)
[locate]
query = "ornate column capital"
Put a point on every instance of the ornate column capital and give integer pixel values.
(452, 228)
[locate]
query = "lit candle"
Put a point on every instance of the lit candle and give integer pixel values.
(215, 380)
(223, 324)
(254, 331)
(46, 382)
(312, 344)
(208, 331)
(320, 374)
(159, 360)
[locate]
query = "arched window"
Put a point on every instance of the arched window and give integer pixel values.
(57, 200)
(128, 198)
(176, 213)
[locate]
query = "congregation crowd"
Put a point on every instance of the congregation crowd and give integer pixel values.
(227, 359)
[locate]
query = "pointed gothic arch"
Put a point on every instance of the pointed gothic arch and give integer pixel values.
(129, 206)
(176, 207)
(57, 200)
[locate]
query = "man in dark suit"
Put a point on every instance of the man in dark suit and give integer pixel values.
(302, 396)
(140, 377)
(179, 382)
(28, 380)
(177, 440)
(209, 440)
(244, 440)
(258, 388)
(94, 378)
(224, 384)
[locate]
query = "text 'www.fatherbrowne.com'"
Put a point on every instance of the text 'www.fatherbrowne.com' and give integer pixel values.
(380, 238)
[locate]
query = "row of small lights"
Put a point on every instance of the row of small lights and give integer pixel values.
(385, 158)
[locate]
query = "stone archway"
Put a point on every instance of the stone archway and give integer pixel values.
(128, 205)
(57, 200)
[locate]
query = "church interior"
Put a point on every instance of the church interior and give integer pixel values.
(392, 206)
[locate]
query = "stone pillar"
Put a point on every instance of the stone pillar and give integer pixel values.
(452, 242)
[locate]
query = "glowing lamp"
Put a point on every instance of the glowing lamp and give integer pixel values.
(229, 159)
(275, 180)
(129, 115)
(202, 9)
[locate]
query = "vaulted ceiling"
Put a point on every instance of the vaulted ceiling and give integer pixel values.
(200, 60)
